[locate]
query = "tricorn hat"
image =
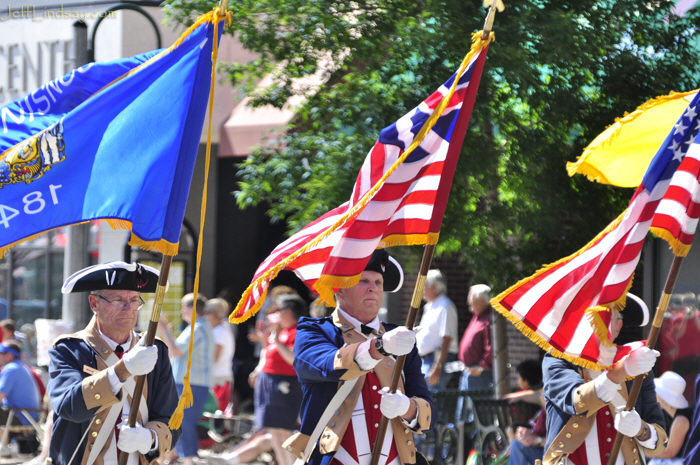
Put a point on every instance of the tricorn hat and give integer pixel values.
(635, 313)
(113, 275)
(383, 263)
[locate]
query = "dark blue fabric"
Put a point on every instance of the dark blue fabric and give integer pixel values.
(277, 400)
(520, 454)
(316, 344)
(71, 416)
(691, 454)
(561, 378)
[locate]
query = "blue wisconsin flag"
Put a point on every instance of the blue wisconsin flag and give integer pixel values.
(115, 141)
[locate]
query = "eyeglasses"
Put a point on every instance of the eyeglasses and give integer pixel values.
(118, 304)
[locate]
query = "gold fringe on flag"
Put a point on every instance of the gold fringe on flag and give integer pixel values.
(679, 249)
(586, 166)
(119, 224)
(325, 284)
(592, 314)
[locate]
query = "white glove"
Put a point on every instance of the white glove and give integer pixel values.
(628, 422)
(605, 388)
(393, 404)
(640, 360)
(141, 359)
(135, 439)
(399, 341)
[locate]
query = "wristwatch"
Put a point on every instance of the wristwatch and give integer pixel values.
(379, 345)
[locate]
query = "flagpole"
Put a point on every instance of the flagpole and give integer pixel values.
(150, 338)
(422, 275)
(651, 342)
(410, 322)
(165, 271)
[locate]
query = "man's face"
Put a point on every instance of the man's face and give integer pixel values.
(430, 292)
(476, 304)
(186, 312)
(615, 324)
(116, 311)
(5, 358)
(364, 299)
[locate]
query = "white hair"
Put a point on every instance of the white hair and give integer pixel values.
(437, 279)
(480, 291)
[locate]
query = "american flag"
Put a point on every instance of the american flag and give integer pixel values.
(399, 196)
(564, 306)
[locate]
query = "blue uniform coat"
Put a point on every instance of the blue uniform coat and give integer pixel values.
(321, 366)
(571, 406)
(79, 391)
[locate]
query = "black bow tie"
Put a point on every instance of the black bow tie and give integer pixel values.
(366, 329)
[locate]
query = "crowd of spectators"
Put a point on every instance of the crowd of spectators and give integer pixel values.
(248, 369)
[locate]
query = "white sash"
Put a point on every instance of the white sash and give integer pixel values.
(127, 393)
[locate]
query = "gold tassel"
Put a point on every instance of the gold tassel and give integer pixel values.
(185, 401)
(186, 398)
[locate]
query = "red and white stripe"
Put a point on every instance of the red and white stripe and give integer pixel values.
(406, 209)
(554, 301)
(679, 210)
(550, 306)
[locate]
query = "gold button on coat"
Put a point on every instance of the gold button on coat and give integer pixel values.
(98, 397)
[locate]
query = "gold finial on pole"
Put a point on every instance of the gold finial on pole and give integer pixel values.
(223, 6)
(493, 6)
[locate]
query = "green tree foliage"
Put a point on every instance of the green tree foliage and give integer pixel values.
(558, 73)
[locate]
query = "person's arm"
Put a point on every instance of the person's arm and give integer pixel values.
(436, 368)
(320, 356)
(165, 331)
(477, 351)
(417, 390)
(162, 400)
(287, 353)
(526, 395)
(676, 437)
(2, 396)
(652, 437)
(218, 349)
(72, 396)
(565, 388)
(486, 360)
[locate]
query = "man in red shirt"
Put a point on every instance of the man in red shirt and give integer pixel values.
(475, 347)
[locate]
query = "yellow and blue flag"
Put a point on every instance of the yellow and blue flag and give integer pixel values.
(115, 141)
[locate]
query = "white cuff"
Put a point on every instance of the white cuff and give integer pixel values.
(363, 358)
(651, 442)
(411, 424)
(114, 382)
(155, 441)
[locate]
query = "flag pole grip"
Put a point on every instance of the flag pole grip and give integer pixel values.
(651, 343)
(410, 322)
(150, 338)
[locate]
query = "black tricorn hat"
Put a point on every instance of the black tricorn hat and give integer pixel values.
(383, 263)
(635, 313)
(113, 275)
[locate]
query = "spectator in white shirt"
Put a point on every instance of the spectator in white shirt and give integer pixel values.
(436, 338)
(215, 311)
